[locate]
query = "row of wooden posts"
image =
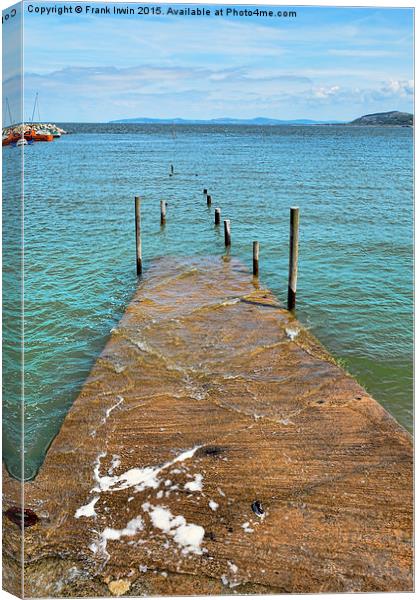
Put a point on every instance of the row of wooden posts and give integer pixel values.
(293, 243)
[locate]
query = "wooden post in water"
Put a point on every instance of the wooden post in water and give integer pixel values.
(293, 257)
(227, 232)
(208, 200)
(255, 258)
(162, 212)
(138, 235)
(205, 193)
(171, 172)
(217, 214)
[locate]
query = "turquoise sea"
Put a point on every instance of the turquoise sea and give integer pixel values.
(354, 187)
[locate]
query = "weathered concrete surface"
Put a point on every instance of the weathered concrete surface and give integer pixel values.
(221, 394)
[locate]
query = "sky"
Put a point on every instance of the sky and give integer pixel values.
(324, 64)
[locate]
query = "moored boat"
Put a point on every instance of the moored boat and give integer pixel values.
(9, 139)
(32, 132)
(38, 135)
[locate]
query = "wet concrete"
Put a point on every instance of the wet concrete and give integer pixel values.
(216, 448)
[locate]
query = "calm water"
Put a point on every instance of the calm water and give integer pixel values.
(354, 188)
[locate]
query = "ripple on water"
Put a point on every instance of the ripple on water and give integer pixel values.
(355, 278)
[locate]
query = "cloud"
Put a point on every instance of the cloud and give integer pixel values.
(326, 92)
(149, 84)
(87, 42)
(364, 53)
(398, 88)
(388, 93)
(108, 92)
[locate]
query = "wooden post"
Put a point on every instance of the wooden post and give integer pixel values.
(205, 193)
(208, 200)
(138, 235)
(171, 170)
(293, 257)
(217, 213)
(162, 212)
(255, 258)
(227, 232)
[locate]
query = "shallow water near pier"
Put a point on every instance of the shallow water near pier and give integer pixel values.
(205, 384)
(354, 189)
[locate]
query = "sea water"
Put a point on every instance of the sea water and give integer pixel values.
(354, 187)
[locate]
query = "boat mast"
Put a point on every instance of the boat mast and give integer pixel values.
(33, 112)
(8, 108)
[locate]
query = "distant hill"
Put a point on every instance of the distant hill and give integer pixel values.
(226, 121)
(393, 117)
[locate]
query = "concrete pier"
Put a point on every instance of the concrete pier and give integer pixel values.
(215, 448)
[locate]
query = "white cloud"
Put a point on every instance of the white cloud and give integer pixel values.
(148, 81)
(326, 92)
(203, 92)
(398, 88)
(364, 53)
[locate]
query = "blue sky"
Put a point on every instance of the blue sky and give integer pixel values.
(327, 63)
